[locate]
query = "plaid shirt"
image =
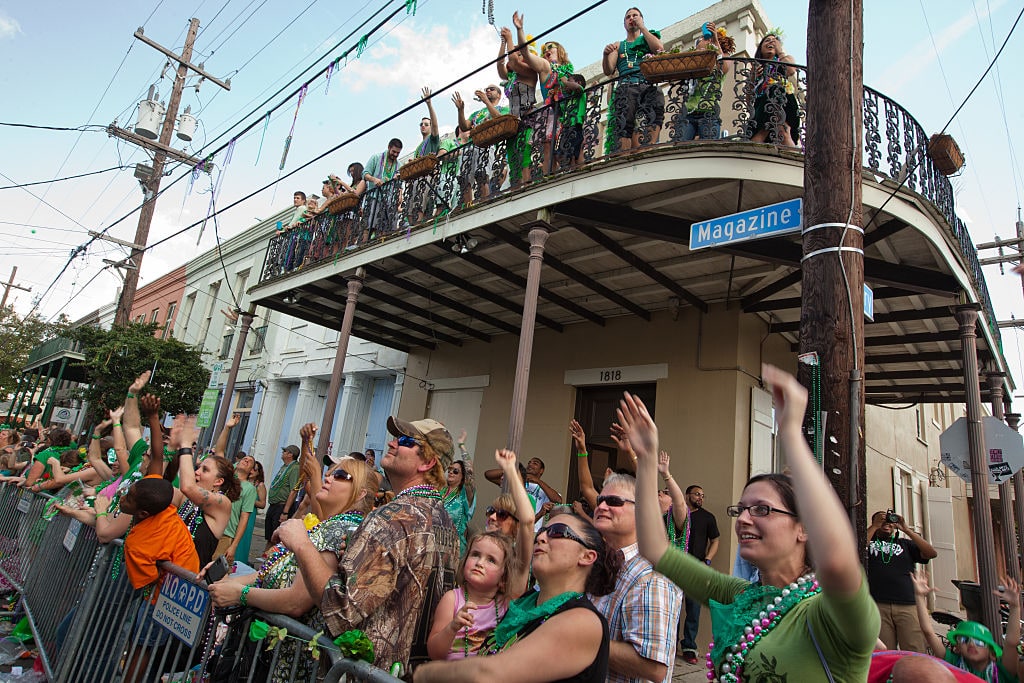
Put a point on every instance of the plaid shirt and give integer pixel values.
(643, 611)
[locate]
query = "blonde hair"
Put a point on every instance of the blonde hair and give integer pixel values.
(361, 483)
(563, 56)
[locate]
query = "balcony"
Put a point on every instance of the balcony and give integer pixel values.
(445, 255)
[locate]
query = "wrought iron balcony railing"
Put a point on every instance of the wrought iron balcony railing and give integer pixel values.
(755, 100)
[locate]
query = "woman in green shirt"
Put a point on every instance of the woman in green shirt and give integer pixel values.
(811, 612)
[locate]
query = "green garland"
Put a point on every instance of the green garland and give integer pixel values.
(352, 644)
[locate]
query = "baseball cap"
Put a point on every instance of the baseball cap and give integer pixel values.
(431, 431)
(293, 449)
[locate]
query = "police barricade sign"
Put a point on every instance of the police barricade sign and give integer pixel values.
(181, 608)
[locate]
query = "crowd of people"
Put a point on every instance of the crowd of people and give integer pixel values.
(609, 588)
(547, 95)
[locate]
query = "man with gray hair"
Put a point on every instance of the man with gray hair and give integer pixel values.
(643, 610)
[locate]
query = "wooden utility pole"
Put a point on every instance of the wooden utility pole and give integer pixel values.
(9, 285)
(831, 311)
(162, 149)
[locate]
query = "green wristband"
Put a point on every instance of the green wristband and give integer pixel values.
(582, 455)
(243, 599)
(129, 395)
(97, 436)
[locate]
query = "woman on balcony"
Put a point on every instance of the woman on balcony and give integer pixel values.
(776, 112)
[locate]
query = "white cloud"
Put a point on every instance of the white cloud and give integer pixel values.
(922, 55)
(409, 59)
(9, 26)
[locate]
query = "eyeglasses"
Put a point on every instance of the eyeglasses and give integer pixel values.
(560, 530)
(696, 494)
(454, 470)
(499, 514)
(755, 510)
(964, 640)
(407, 441)
(491, 88)
(341, 475)
(614, 501)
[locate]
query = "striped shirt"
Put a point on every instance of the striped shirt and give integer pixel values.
(643, 611)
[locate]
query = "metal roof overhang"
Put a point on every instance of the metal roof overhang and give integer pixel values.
(619, 247)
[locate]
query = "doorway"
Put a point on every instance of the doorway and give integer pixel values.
(595, 411)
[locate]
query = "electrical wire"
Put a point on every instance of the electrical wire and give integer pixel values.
(86, 127)
(57, 180)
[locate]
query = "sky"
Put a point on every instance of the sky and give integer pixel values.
(926, 55)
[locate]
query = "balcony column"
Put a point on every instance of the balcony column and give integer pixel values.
(229, 385)
(967, 316)
(19, 395)
(995, 386)
(538, 237)
(42, 391)
(30, 393)
(355, 285)
(1013, 421)
(53, 394)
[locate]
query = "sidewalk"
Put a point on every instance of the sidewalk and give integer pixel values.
(689, 673)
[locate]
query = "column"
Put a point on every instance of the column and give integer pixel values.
(1013, 420)
(355, 284)
(349, 436)
(967, 316)
(268, 430)
(53, 394)
(538, 237)
(229, 386)
(1009, 535)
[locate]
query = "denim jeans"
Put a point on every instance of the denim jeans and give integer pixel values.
(690, 626)
(708, 127)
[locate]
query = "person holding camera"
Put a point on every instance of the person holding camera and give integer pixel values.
(891, 562)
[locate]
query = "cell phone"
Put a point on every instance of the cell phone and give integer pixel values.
(218, 570)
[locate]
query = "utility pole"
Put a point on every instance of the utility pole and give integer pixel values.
(161, 149)
(831, 320)
(9, 285)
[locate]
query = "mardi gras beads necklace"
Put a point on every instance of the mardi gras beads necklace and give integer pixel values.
(421, 491)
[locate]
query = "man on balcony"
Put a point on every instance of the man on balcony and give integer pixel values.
(380, 206)
(635, 98)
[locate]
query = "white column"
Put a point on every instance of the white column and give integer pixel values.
(271, 419)
(348, 431)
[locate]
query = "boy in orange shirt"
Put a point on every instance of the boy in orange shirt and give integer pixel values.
(157, 532)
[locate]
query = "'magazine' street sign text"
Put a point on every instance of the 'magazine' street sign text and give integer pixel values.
(764, 221)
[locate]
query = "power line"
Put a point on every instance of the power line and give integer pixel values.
(86, 127)
(70, 177)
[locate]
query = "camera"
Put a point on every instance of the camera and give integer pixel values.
(891, 517)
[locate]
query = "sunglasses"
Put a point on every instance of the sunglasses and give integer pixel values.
(341, 475)
(614, 501)
(490, 88)
(499, 514)
(454, 470)
(560, 530)
(964, 640)
(407, 441)
(756, 510)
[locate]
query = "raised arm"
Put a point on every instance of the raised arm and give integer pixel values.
(309, 468)
(638, 427)
(609, 63)
(120, 443)
(829, 534)
(503, 49)
(434, 130)
(95, 455)
(524, 540)
(924, 620)
(460, 109)
(1010, 594)
(184, 432)
(653, 41)
(132, 421)
(492, 110)
(680, 510)
(468, 480)
(220, 448)
(150, 405)
(583, 474)
(536, 62)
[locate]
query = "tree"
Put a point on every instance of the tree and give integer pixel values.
(115, 357)
(18, 336)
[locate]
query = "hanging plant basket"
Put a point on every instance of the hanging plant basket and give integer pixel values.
(418, 167)
(343, 204)
(678, 66)
(493, 131)
(945, 154)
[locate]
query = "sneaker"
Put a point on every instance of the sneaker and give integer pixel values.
(690, 656)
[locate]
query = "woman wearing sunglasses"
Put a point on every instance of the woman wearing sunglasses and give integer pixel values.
(339, 500)
(554, 634)
(803, 621)
(459, 493)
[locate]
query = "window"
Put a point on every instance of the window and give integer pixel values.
(169, 320)
(155, 316)
(225, 347)
(211, 306)
(141, 318)
(908, 495)
(243, 408)
(259, 340)
(190, 303)
(922, 426)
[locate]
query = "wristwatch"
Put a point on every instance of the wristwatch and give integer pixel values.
(707, 561)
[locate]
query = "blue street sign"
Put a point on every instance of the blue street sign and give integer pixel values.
(765, 221)
(869, 304)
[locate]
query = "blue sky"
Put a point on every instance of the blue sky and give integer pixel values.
(58, 63)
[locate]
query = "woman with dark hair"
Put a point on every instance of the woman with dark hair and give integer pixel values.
(776, 112)
(459, 493)
(58, 441)
(557, 625)
(256, 477)
(802, 620)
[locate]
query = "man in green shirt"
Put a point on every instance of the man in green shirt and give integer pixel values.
(634, 96)
(281, 488)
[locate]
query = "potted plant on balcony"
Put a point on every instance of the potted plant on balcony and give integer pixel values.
(495, 130)
(945, 154)
(678, 66)
(418, 167)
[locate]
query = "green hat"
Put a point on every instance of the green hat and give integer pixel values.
(972, 629)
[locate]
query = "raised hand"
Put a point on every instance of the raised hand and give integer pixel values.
(149, 404)
(233, 421)
(463, 618)
(457, 101)
(578, 436)
(506, 460)
(462, 435)
(506, 35)
(426, 93)
(1008, 591)
(517, 19)
(308, 431)
(663, 462)
(789, 395)
(610, 48)
(638, 426)
(921, 587)
(115, 414)
(139, 383)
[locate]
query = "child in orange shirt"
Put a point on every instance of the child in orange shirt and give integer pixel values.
(157, 532)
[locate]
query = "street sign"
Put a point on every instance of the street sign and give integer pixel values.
(1005, 449)
(180, 608)
(764, 221)
(207, 407)
(869, 304)
(215, 375)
